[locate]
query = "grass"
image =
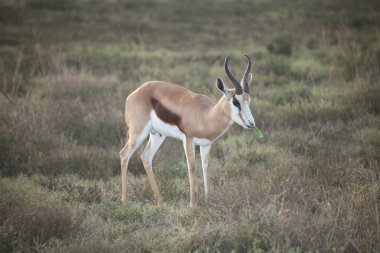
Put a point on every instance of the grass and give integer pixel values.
(66, 69)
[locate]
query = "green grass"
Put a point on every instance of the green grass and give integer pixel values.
(312, 186)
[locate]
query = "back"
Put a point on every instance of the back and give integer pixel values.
(173, 104)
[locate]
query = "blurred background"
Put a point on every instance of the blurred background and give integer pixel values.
(67, 66)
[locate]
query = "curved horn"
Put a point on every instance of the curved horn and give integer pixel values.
(246, 76)
(237, 85)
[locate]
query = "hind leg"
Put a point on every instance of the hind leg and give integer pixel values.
(134, 142)
(155, 141)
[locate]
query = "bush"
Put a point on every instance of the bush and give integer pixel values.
(291, 95)
(39, 224)
(278, 66)
(85, 162)
(364, 98)
(310, 70)
(94, 246)
(358, 59)
(27, 223)
(8, 238)
(281, 45)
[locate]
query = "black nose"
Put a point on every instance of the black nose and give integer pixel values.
(251, 123)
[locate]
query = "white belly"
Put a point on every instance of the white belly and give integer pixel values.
(165, 129)
(173, 131)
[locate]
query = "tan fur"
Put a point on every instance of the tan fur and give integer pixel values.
(200, 116)
(196, 115)
(183, 114)
(245, 96)
(190, 157)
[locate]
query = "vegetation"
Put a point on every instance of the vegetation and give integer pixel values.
(66, 67)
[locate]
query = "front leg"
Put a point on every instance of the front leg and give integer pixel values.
(190, 157)
(205, 150)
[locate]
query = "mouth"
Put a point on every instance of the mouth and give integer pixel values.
(248, 126)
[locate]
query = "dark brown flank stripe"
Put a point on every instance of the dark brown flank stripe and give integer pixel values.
(165, 114)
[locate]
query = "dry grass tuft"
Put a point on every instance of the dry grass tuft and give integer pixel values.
(33, 222)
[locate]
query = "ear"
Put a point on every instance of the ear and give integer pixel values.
(222, 87)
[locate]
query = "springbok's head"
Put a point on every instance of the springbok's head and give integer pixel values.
(238, 99)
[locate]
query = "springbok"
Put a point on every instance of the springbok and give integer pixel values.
(161, 109)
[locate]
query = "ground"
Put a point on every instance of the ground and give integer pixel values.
(67, 66)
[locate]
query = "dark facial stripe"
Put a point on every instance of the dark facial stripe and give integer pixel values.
(236, 103)
(165, 114)
(241, 117)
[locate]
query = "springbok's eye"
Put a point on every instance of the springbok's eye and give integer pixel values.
(236, 103)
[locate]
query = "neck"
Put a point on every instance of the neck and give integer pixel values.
(219, 119)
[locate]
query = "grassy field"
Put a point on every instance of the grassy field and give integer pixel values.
(66, 67)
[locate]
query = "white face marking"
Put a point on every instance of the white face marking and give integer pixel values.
(241, 112)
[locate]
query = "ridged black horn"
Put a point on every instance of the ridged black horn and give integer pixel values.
(246, 76)
(237, 85)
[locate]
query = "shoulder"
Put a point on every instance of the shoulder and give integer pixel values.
(203, 100)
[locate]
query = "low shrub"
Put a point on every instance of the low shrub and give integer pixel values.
(39, 224)
(281, 45)
(93, 246)
(33, 221)
(358, 57)
(364, 99)
(310, 70)
(8, 238)
(276, 65)
(291, 95)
